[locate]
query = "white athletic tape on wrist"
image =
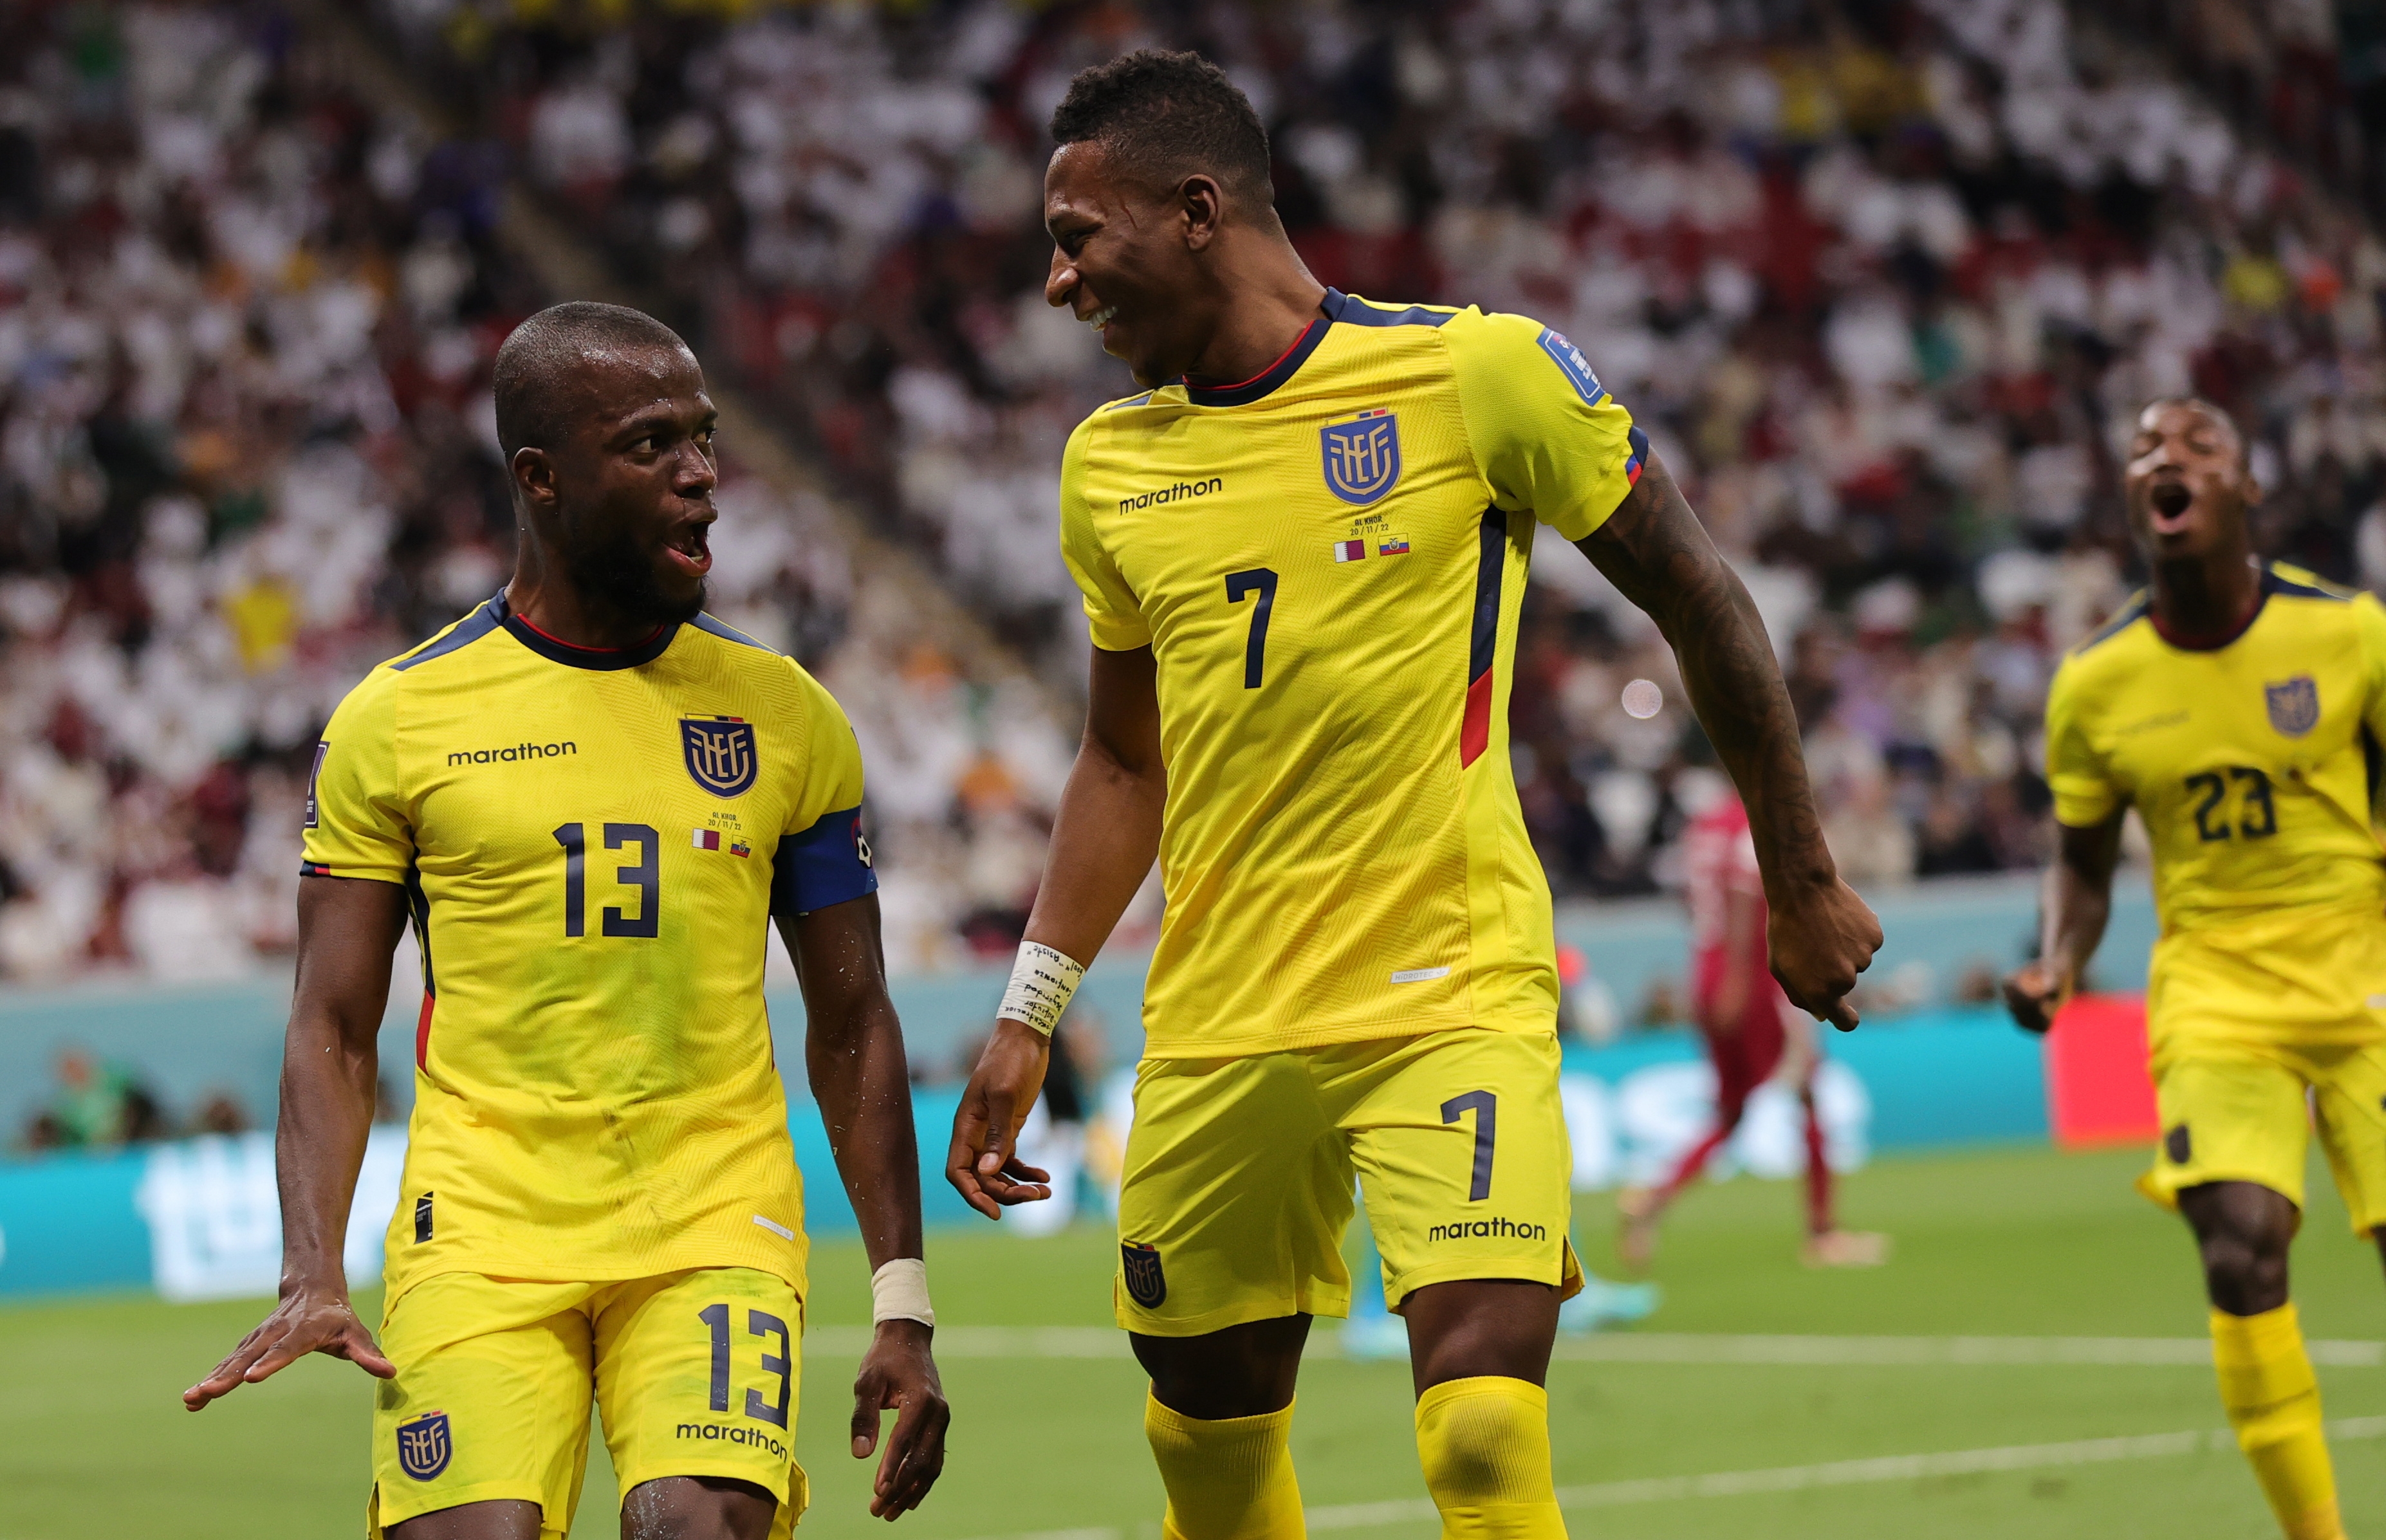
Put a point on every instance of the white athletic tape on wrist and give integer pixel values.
(899, 1292)
(1041, 981)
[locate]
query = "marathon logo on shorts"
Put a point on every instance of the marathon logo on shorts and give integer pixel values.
(718, 1433)
(1494, 1228)
(1146, 1285)
(424, 1445)
(2294, 705)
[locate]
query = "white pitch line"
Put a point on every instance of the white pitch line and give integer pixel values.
(1674, 1347)
(1800, 1478)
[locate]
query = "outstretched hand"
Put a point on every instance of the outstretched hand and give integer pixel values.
(898, 1374)
(982, 1164)
(2034, 992)
(1819, 942)
(310, 1319)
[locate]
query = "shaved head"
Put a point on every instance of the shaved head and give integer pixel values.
(541, 393)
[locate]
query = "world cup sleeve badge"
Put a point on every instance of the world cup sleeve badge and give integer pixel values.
(2293, 705)
(720, 753)
(424, 1444)
(1361, 455)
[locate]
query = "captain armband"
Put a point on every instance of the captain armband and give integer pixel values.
(899, 1292)
(1041, 981)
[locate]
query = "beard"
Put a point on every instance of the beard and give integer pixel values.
(621, 576)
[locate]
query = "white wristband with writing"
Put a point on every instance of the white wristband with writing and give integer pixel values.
(899, 1292)
(1041, 981)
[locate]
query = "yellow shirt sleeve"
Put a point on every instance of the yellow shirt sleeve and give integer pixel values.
(831, 756)
(1112, 613)
(2371, 618)
(357, 824)
(822, 857)
(1548, 436)
(2085, 794)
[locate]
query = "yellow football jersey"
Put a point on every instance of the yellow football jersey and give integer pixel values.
(1327, 561)
(592, 844)
(2253, 764)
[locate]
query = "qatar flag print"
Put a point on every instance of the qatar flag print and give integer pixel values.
(1350, 550)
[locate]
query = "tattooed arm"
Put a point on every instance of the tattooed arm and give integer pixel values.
(1654, 549)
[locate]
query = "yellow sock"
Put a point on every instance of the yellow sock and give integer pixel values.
(2273, 1402)
(1227, 1480)
(1484, 1443)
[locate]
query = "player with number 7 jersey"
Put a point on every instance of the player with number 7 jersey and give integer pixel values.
(1302, 548)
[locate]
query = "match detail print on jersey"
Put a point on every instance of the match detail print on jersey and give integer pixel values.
(1334, 631)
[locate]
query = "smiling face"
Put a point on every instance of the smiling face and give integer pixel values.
(2186, 484)
(1125, 259)
(626, 497)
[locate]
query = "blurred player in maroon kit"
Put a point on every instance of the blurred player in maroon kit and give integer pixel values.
(1753, 1035)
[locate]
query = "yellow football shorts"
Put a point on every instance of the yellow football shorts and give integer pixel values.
(1239, 1172)
(2241, 1111)
(695, 1373)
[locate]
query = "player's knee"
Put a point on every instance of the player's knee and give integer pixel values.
(1484, 1441)
(2244, 1274)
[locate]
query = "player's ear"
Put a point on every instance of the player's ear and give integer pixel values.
(534, 473)
(1201, 205)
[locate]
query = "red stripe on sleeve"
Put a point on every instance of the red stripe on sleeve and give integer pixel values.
(1475, 730)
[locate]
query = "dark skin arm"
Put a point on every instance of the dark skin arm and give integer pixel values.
(347, 928)
(1104, 840)
(854, 1052)
(1654, 549)
(2074, 904)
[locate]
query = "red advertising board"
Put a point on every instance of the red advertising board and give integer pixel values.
(2097, 1088)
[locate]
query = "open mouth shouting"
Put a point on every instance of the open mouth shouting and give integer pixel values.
(2167, 504)
(690, 546)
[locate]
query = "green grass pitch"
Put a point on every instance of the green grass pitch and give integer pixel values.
(1996, 1244)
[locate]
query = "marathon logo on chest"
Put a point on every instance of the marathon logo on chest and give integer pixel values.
(720, 752)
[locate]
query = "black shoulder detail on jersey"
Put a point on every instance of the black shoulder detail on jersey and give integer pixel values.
(711, 627)
(601, 659)
(2130, 614)
(1340, 306)
(1266, 381)
(2276, 581)
(468, 630)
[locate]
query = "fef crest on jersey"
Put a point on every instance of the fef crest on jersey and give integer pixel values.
(1362, 456)
(1146, 1285)
(424, 1445)
(720, 753)
(2293, 705)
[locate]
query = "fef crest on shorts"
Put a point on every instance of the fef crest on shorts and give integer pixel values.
(2294, 705)
(1362, 456)
(720, 753)
(424, 1444)
(1146, 1285)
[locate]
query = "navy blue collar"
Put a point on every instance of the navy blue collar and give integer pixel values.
(556, 650)
(1284, 368)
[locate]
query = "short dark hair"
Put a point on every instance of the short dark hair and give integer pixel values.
(1167, 115)
(535, 364)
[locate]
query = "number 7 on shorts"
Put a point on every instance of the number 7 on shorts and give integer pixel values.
(1486, 1108)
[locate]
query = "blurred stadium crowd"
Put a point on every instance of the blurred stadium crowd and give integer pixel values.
(1883, 279)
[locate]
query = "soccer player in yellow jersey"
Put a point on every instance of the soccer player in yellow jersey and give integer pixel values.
(592, 800)
(2239, 706)
(1302, 547)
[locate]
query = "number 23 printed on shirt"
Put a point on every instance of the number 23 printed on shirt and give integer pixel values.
(2257, 815)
